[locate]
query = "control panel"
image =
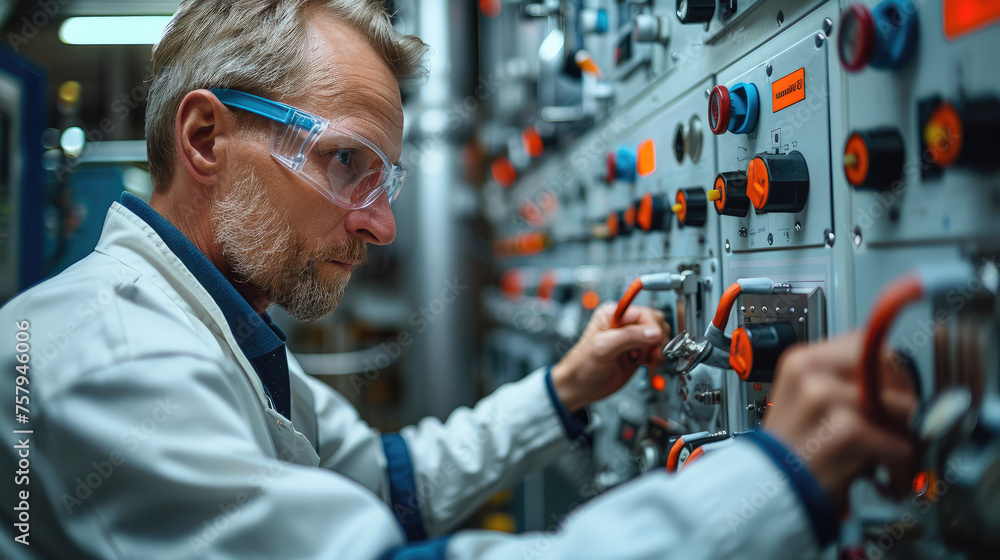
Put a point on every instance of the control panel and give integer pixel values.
(771, 173)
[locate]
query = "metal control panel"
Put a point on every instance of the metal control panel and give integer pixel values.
(817, 152)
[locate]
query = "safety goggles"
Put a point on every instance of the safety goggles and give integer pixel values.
(344, 167)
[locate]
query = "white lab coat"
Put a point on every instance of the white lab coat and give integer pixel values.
(153, 438)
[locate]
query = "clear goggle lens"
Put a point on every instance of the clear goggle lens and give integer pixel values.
(344, 167)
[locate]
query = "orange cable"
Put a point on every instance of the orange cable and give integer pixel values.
(890, 302)
(699, 452)
(674, 456)
(632, 291)
(726, 305)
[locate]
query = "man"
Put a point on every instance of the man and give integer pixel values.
(167, 419)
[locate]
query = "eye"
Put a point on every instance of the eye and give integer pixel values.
(345, 157)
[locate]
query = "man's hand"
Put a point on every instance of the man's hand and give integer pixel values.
(604, 358)
(816, 412)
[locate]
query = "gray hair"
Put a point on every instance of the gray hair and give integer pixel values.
(256, 46)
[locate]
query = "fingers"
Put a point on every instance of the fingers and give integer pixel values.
(642, 314)
(839, 354)
(611, 343)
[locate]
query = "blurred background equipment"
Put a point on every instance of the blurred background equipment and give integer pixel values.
(772, 171)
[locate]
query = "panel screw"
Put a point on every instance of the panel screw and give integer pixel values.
(857, 237)
(798, 226)
(727, 246)
(768, 69)
(820, 39)
(827, 26)
(828, 237)
(770, 239)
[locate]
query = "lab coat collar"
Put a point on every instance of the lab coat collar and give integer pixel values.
(256, 335)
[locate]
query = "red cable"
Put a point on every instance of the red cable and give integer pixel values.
(726, 305)
(890, 302)
(632, 291)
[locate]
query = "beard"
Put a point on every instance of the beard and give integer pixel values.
(264, 252)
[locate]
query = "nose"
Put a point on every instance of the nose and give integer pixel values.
(374, 223)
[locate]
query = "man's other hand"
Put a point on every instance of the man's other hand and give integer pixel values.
(816, 411)
(604, 358)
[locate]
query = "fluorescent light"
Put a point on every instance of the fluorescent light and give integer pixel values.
(118, 30)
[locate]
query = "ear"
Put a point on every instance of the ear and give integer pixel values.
(202, 129)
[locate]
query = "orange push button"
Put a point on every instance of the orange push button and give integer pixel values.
(778, 183)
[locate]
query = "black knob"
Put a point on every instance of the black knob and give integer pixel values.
(691, 207)
(653, 213)
(730, 194)
(756, 347)
(874, 159)
(778, 183)
(695, 11)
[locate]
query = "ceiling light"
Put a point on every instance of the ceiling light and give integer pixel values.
(118, 30)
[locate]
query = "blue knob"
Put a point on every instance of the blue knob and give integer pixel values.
(625, 166)
(896, 23)
(884, 38)
(745, 107)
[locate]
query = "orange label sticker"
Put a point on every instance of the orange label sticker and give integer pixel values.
(964, 16)
(789, 90)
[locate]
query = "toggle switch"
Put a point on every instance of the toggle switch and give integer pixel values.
(594, 20)
(691, 207)
(778, 183)
(756, 347)
(651, 29)
(653, 213)
(734, 109)
(730, 194)
(874, 159)
(695, 11)
(883, 38)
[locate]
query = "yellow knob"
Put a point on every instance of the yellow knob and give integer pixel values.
(714, 195)
(676, 208)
